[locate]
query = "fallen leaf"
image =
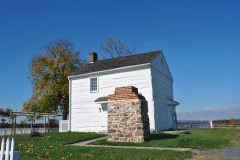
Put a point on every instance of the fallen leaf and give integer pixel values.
(88, 155)
(28, 151)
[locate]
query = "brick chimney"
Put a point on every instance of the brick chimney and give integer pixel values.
(92, 57)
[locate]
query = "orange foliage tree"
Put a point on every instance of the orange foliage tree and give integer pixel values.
(48, 74)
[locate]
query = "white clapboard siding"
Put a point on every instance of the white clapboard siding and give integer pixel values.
(87, 129)
(162, 89)
(161, 112)
(8, 154)
(162, 115)
(156, 63)
(82, 100)
(162, 84)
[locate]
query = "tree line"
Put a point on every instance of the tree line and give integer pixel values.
(230, 121)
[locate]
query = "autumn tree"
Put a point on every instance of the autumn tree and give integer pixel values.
(48, 74)
(114, 48)
(232, 121)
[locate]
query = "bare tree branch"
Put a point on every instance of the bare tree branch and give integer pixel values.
(114, 48)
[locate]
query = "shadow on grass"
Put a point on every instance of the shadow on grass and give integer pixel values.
(162, 136)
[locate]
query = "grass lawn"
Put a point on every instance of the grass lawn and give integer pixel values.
(202, 139)
(55, 146)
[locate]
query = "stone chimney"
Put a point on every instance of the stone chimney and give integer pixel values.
(92, 57)
(127, 116)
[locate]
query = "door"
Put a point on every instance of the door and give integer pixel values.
(104, 117)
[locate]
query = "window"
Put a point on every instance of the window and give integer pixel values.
(162, 61)
(93, 84)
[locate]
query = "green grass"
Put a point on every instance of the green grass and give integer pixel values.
(202, 139)
(55, 146)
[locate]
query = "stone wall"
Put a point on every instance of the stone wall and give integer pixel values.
(127, 116)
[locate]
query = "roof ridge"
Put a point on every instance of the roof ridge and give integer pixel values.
(117, 62)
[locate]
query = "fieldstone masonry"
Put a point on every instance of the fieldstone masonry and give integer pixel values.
(127, 116)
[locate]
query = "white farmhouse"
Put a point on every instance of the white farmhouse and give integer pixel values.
(90, 85)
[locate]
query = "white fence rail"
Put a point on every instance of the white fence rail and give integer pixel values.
(206, 124)
(8, 154)
(227, 126)
(7, 131)
(194, 125)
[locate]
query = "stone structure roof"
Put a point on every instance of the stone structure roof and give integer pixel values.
(117, 63)
(100, 99)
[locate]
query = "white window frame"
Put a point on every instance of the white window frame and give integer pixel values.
(90, 84)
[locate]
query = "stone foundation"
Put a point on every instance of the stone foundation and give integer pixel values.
(127, 116)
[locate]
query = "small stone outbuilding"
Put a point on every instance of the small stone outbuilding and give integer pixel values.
(127, 116)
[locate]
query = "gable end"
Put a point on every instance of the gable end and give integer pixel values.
(160, 64)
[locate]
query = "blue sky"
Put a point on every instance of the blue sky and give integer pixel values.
(200, 40)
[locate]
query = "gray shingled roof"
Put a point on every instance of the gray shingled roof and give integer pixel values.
(117, 62)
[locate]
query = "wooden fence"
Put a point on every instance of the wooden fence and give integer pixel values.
(230, 126)
(8, 131)
(195, 125)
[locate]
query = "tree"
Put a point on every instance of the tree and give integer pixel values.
(232, 121)
(2, 114)
(54, 123)
(48, 74)
(113, 48)
(5, 113)
(22, 122)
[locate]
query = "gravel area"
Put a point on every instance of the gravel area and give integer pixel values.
(223, 154)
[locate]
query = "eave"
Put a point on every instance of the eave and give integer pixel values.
(127, 68)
